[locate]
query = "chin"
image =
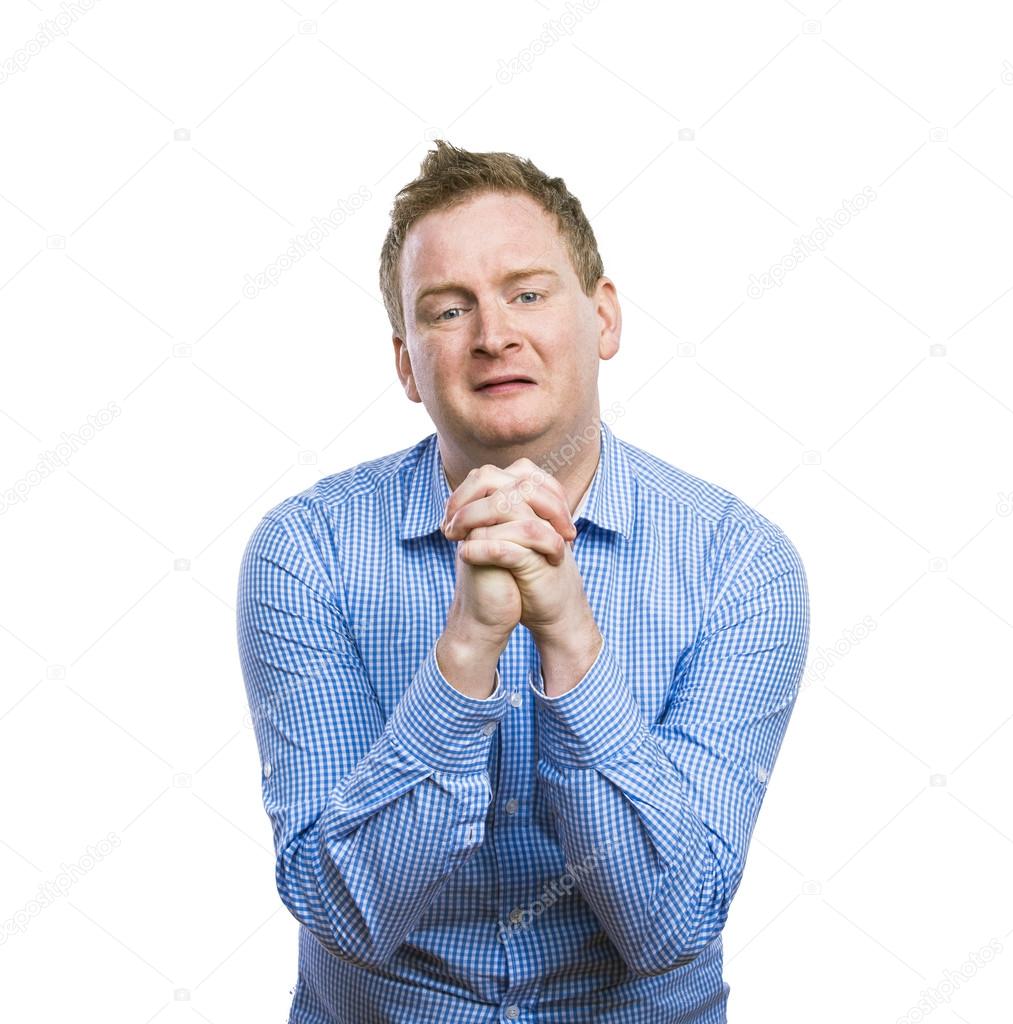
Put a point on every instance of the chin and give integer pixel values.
(499, 426)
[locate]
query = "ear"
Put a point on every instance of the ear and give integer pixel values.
(403, 366)
(610, 318)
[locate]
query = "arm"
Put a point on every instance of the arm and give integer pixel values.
(369, 818)
(658, 818)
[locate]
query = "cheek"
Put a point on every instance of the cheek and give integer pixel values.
(443, 375)
(424, 376)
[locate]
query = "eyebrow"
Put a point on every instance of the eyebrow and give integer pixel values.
(513, 275)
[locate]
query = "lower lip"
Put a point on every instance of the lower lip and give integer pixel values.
(507, 386)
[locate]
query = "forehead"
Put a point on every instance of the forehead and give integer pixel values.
(486, 234)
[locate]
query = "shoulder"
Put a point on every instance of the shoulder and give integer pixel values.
(676, 499)
(369, 481)
(309, 519)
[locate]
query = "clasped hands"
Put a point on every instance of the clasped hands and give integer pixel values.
(518, 519)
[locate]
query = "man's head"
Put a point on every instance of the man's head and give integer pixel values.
(467, 226)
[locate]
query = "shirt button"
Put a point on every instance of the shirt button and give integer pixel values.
(516, 915)
(511, 806)
(513, 1012)
(489, 728)
(267, 769)
(516, 699)
(471, 833)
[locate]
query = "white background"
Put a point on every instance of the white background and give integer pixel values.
(865, 404)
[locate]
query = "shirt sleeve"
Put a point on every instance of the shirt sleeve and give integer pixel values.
(370, 817)
(655, 820)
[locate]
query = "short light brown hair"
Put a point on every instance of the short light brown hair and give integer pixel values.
(450, 176)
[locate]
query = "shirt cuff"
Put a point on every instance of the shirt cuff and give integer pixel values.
(593, 721)
(442, 727)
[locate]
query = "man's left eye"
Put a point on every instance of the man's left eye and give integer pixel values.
(522, 294)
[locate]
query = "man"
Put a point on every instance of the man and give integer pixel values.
(518, 689)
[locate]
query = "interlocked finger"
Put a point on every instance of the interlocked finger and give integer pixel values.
(490, 495)
(535, 534)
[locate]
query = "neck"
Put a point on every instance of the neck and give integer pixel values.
(572, 462)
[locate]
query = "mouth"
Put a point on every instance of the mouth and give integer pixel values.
(502, 385)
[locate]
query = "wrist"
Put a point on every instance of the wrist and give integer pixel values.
(471, 638)
(566, 658)
(469, 665)
(569, 637)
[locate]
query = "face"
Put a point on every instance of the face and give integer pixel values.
(488, 291)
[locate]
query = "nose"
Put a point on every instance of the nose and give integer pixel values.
(496, 332)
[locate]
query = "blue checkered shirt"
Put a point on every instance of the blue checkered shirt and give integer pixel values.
(519, 858)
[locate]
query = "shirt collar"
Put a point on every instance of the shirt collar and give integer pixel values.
(608, 503)
(582, 503)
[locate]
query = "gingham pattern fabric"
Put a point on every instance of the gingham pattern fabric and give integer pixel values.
(519, 858)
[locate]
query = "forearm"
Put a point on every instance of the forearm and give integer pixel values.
(364, 874)
(396, 827)
(643, 859)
